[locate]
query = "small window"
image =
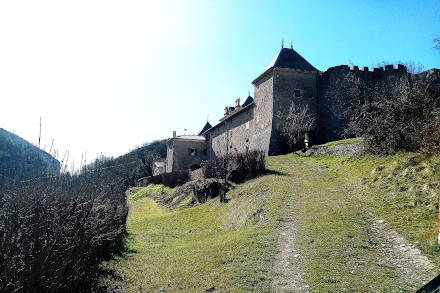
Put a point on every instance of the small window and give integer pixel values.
(297, 93)
(192, 152)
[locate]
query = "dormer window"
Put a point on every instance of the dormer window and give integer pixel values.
(297, 93)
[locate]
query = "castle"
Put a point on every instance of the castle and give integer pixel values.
(256, 123)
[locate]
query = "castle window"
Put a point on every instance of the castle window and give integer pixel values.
(297, 93)
(192, 152)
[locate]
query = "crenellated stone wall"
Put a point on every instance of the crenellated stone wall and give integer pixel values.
(258, 126)
(332, 104)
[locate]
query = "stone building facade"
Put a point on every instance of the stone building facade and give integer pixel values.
(256, 123)
(288, 78)
(185, 152)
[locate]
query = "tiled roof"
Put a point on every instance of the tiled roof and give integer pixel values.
(206, 127)
(289, 58)
(248, 100)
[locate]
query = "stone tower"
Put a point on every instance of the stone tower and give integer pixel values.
(289, 78)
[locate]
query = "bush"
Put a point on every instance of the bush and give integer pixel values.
(298, 122)
(54, 232)
(394, 114)
(430, 137)
(175, 178)
(237, 167)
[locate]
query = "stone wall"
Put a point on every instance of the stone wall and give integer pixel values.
(332, 105)
(170, 155)
(239, 129)
(286, 81)
(259, 127)
(338, 150)
(249, 129)
(178, 157)
(263, 113)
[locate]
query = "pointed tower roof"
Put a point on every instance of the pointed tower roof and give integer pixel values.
(206, 127)
(248, 100)
(288, 58)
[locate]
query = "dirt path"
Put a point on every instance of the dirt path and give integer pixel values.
(359, 263)
(401, 255)
(289, 263)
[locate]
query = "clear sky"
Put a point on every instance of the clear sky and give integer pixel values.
(106, 76)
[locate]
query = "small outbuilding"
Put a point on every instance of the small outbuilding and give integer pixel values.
(185, 152)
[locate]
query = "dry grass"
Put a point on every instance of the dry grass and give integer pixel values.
(232, 246)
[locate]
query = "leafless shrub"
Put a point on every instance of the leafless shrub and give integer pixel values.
(54, 232)
(391, 114)
(430, 135)
(238, 166)
(298, 122)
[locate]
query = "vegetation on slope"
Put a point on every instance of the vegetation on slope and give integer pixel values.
(343, 141)
(342, 236)
(55, 231)
(350, 209)
(214, 246)
(134, 164)
(20, 160)
(404, 190)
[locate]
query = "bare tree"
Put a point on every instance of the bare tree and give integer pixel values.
(299, 121)
(394, 113)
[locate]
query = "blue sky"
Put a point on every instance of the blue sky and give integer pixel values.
(106, 76)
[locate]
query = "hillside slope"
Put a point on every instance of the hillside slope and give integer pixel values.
(20, 160)
(314, 224)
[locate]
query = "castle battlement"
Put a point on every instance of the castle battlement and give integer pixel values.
(257, 123)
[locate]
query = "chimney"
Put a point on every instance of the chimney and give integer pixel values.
(174, 134)
(237, 103)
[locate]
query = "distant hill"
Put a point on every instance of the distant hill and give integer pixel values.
(133, 165)
(20, 160)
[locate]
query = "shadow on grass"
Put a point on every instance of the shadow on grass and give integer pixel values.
(274, 172)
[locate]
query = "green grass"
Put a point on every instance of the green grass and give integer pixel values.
(232, 246)
(343, 141)
(402, 189)
(333, 232)
(152, 190)
(227, 247)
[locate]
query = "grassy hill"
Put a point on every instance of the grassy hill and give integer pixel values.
(318, 223)
(20, 160)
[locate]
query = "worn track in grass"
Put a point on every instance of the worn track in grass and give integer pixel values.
(330, 240)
